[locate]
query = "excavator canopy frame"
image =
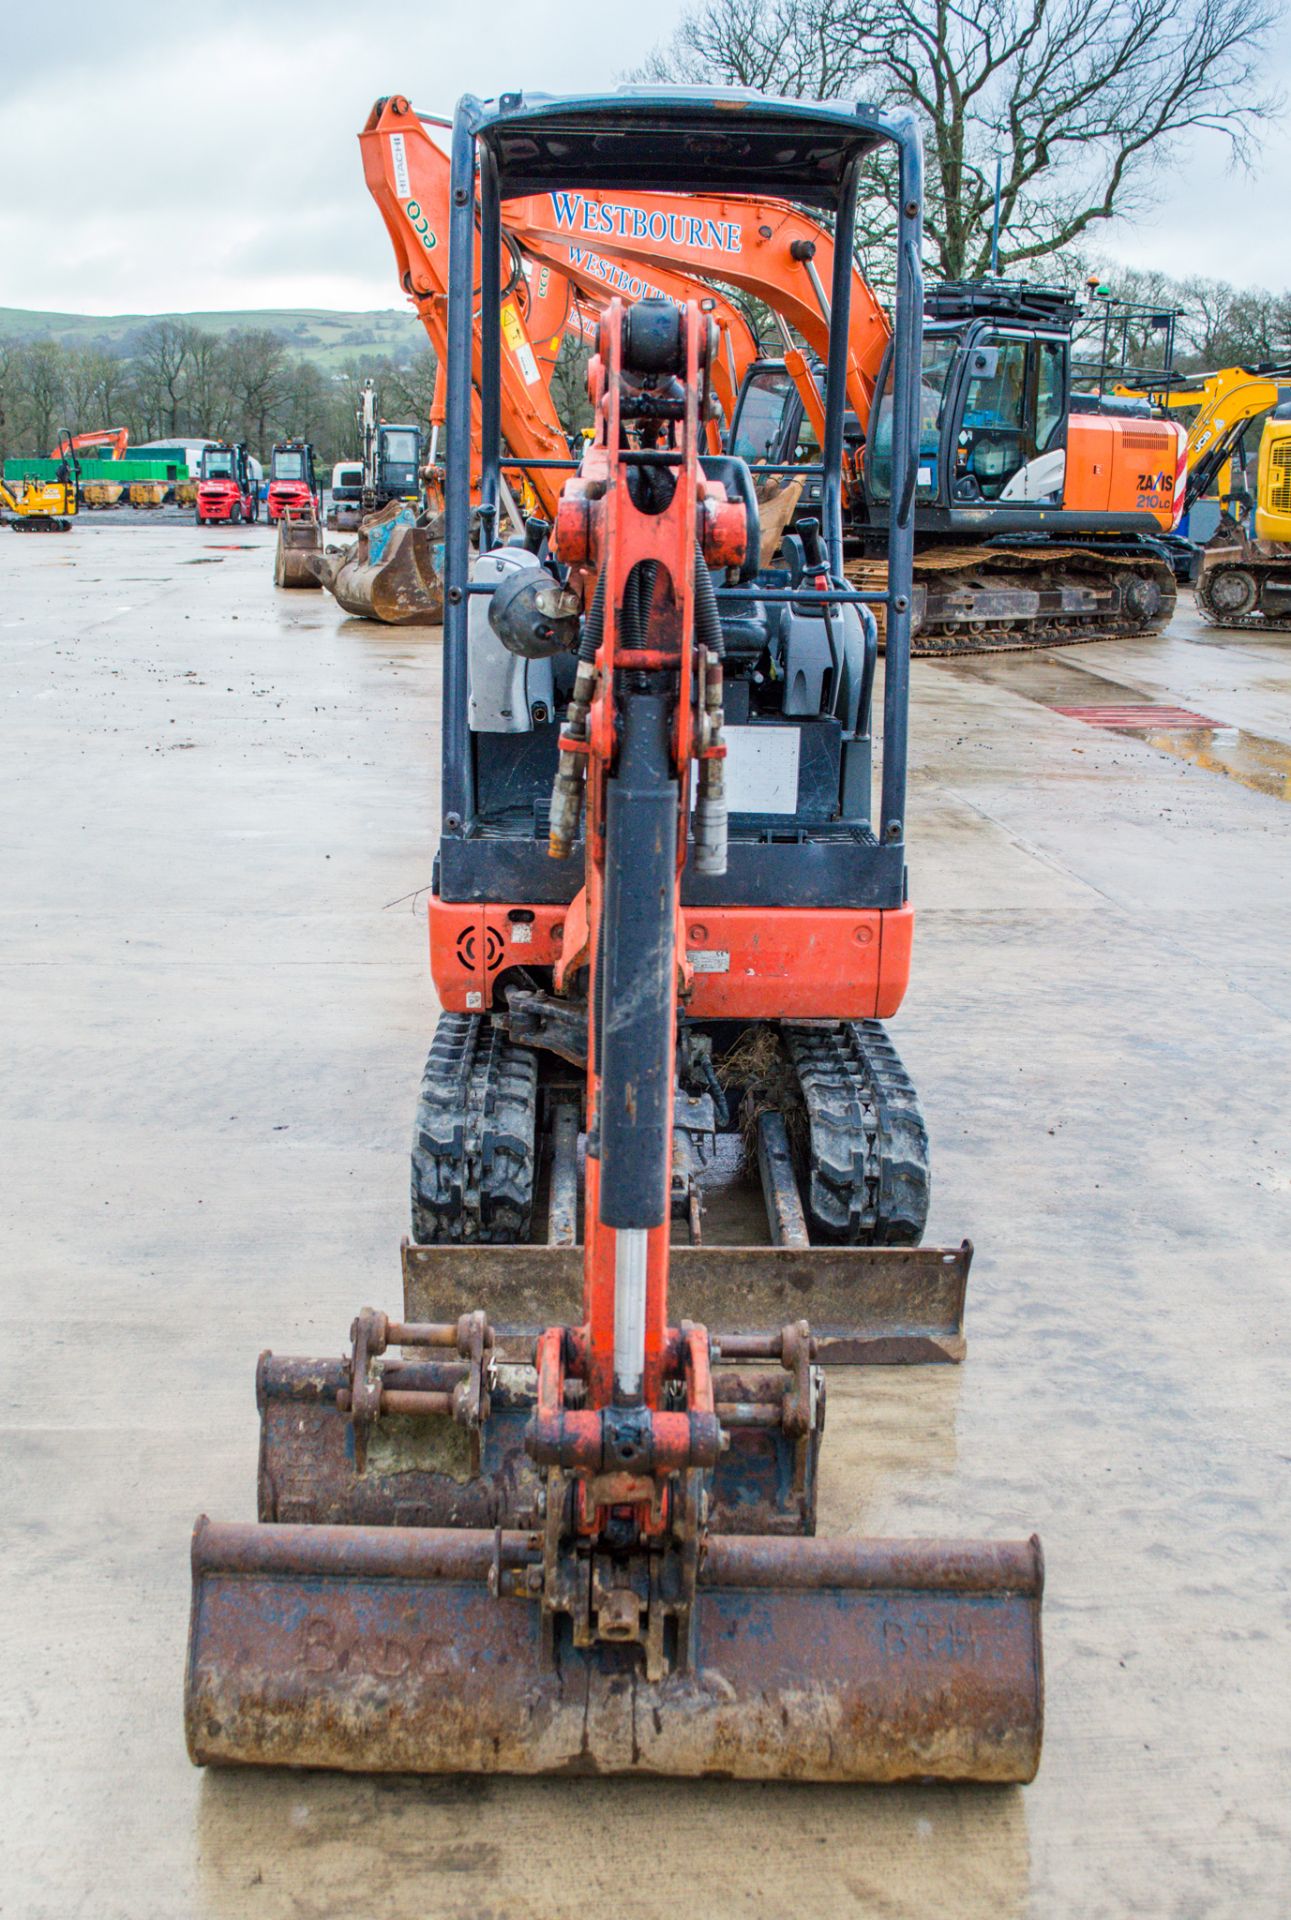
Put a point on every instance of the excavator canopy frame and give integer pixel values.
(680, 140)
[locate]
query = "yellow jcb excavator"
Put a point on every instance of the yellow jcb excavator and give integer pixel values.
(1242, 582)
(44, 506)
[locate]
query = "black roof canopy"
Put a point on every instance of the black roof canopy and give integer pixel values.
(679, 140)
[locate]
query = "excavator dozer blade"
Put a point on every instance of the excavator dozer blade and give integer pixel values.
(300, 543)
(392, 573)
(386, 1650)
(868, 1306)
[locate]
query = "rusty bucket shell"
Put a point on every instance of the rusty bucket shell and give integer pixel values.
(383, 1650)
(300, 542)
(392, 573)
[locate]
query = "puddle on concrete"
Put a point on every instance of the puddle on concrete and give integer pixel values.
(1248, 758)
(1252, 759)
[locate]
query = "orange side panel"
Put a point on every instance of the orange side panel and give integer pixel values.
(1090, 454)
(1124, 466)
(748, 963)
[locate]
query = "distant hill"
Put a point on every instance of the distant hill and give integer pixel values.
(317, 334)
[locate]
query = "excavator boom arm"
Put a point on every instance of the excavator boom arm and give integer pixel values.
(767, 248)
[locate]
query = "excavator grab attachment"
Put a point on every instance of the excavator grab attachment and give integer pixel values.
(571, 1528)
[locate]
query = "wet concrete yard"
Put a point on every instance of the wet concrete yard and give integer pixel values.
(218, 809)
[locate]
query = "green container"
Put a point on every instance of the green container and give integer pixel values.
(123, 471)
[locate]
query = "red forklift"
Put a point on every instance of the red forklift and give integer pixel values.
(293, 481)
(227, 487)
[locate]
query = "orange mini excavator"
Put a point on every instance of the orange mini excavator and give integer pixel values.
(570, 1526)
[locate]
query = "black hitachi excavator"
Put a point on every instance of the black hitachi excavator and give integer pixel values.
(1040, 517)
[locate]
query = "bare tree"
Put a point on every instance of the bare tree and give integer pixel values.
(569, 385)
(94, 389)
(1236, 326)
(408, 386)
(258, 364)
(208, 390)
(9, 388)
(1078, 100)
(42, 372)
(804, 48)
(303, 400)
(163, 353)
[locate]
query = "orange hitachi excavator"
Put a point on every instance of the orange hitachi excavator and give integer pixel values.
(1036, 523)
(393, 571)
(550, 291)
(110, 442)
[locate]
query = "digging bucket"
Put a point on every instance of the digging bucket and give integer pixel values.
(299, 541)
(392, 573)
(387, 1650)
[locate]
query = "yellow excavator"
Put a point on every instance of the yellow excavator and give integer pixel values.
(44, 506)
(1242, 582)
(1245, 582)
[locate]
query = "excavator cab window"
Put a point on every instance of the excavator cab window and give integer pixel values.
(1013, 415)
(806, 447)
(400, 447)
(940, 351)
(1051, 404)
(760, 422)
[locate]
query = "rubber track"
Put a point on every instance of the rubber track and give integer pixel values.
(473, 1152)
(867, 1182)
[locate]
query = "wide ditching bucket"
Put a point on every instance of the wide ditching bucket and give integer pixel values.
(421, 1650)
(392, 573)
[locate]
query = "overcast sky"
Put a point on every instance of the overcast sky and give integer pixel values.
(183, 157)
